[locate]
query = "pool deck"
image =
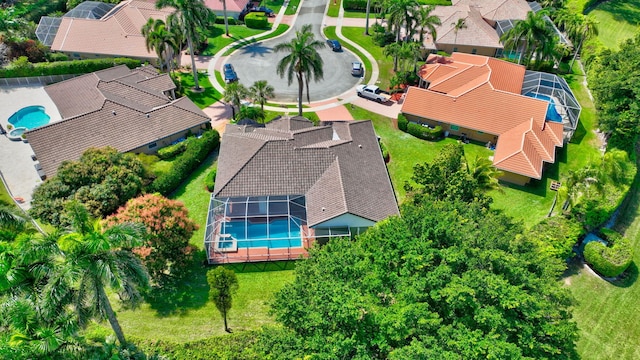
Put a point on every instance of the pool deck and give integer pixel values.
(16, 166)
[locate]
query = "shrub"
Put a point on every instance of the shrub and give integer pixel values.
(556, 236)
(354, 4)
(423, 132)
(210, 180)
(380, 36)
(385, 152)
(196, 151)
(609, 261)
(171, 151)
(230, 20)
(256, 20)
(402, 122)
(55, 56)
(64, 67)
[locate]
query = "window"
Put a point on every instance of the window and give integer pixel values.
(455, 49)
(480, 132)
(152, 145)
(455, 127)
(474, 51)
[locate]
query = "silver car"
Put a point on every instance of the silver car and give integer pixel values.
(356, 68)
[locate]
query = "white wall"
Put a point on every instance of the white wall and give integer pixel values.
(346, 220)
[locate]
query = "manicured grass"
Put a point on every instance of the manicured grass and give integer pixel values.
(607, 313)
(282, 28)
(617, 21)
(293, 7)
(330, 32)
(217, 38)
(274, 5)
(4, 195)
(208, 96)
(385, 64)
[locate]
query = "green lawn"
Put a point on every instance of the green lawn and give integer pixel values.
(607, 313)
(330, 32)
(217, 38)
(4, 194)
(292, 8)
(204, 98)
(617, 21)
(385, 64)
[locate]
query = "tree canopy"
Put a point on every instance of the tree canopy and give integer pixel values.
(102, 179)
(447, 280)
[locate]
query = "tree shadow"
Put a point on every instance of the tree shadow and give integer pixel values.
(621, 11)
(628, 278)
(183, 292)
(578, 134)
(262, 266)
(256, 49)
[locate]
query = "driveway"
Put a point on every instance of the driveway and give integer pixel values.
(259, 62)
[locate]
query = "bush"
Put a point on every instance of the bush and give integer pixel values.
(423, 132)
(65, 67)
(385, 152)
(196, 151)
(230, 20)
(609, 261)
(171, 151)
(556, 236)
(402, 122)
(354, 4)
(210, 180)
(256, 20)
(55, 56)
(380, 36)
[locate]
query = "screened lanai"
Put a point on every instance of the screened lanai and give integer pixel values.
(256, 228)
(556, 91)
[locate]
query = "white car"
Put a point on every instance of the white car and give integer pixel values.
(373, 92)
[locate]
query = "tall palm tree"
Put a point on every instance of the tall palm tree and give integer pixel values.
(485, 174)
(303, 60)
(394, 50)
(427, 21)
(158, 37)
(260, 92)
(401, 13)
(12, 223)
(532, 35)
(585, 29)
(192, 15)
(366, 24)
(95, 259)
(457, 26)
(234, 93)
(224, 13)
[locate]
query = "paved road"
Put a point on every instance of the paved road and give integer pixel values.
(258, 61)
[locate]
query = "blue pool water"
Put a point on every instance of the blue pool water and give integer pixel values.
(273, 235)
(29, 117)
(552, 114)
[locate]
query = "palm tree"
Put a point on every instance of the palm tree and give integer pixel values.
(12, 223)
(303, 60)
(394, 50)
(191, 15)
(401, 13)
(260, 92)
(251, 112)
(485, 174)
(224, 13)
(585, 29)
(366, 24)
(457, 26)
(159, 38)
(576, 184)
(428, 21)
(95, 259)
(234, 93)
(533, 35)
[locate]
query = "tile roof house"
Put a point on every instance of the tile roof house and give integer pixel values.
(481, 98)
(82, 34)
(234, 7)
(129, 110)
(317, 182)
(479, 36)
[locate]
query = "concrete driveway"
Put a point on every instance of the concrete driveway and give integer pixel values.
(259, 62)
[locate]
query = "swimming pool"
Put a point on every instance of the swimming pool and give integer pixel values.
(274, 234)
(552, 113)
(29, 117)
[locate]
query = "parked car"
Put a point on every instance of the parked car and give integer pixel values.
(356, 68)
(229, 73)
(263, 9)
(373, 92)
(334, 45)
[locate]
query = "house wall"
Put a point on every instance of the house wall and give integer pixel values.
(348, 220)
(515, 178)
(469, 49)
(153, 147)
(471, 134)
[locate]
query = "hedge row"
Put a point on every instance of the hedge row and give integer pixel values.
(385, 152)
(609, 261)
(210, 180)
(256, 20)
(238, 345)
(423, 132)
(230, 20)
(354, 4)
(25, 69)
(196, 151)
(402, 122)
(171, 151)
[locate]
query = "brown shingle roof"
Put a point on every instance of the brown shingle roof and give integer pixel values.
(491, 103)
(116, 34)
(495, 10)
(121, 114)
(348, 176)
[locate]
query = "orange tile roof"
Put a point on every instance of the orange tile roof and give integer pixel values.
(483, 94)
(116, 34)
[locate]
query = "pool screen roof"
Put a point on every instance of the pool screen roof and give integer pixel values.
(554, 86)
(47, 29)
(90, 10)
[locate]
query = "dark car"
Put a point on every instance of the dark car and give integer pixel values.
(334, 45)
(263, 9)
(356, 68)
(229, 73)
